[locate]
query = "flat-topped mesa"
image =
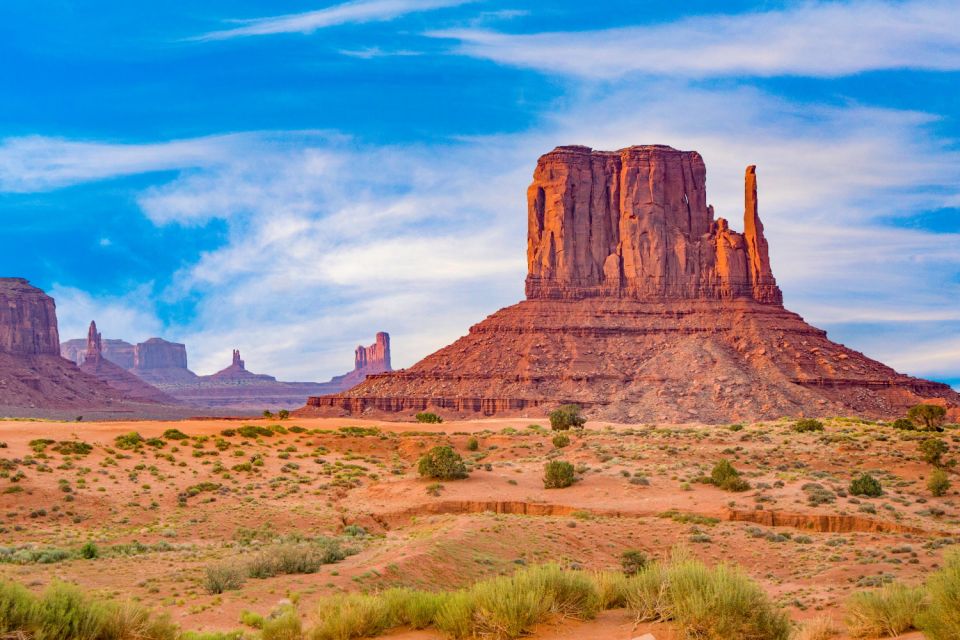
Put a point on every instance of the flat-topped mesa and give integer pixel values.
(376, 357)
(28, 319)
(157, 353)
(635, 224)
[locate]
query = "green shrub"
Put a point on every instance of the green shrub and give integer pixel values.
(285, 626)
(129, 441)
(18, 608)
(72, 448)
(866, 485)
(941, 620)
(428, 418)
(416, 609)
(283, 414)
(704, 602)
(807, 425)
(632, 561)
(222, 577)
(454, 616)
(611, 589)
(567, 417)
(350, 615)
(473, 444)
(888, 611)
(175, 434)
(932, 450)
(930, 416)
(442, 463)
(289, 559)
(938, 483)
(727, 478)
(89, 551)
(561, 440)
(904, 424)
(557, 474)
(254, 431)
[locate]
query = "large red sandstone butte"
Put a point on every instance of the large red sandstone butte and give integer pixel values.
(641, 306)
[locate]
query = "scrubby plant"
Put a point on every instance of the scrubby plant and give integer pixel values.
(632, 561)
(283, 414)
(727, 478)
(175, 434)
(807, 425)
(288, 559)
(557, 474)
(285, 626)
(72, 448)
(566, 417)
(350, 615)
(226, 576)
(128, 441)
(941, 620)
(473, 444)
(426, 417)
(888, 611)
(938, 483)
(442, 463)
(89, 551)
(254, 431)
(930, 416)
(866, 485)
(561, 440)
(904, 424)
(932, 450)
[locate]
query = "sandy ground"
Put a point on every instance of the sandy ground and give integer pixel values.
(637, 489)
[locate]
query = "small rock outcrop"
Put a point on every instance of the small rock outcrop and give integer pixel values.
(641, 306)
(237, 372)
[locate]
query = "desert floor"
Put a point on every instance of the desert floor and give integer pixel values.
(187, 507)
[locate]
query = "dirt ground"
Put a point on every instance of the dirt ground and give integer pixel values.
(193, 503)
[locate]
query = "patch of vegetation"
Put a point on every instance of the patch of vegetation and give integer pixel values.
(226, 576)
(633, 561)
(888, 611)
(254, 431)
(938, 483)
(72, 448)
(174, 434)
(866, 485)
(941, 620)
(129, 441)
(807, 425)
(932, 450)
(473, 444)
(929, 416)
(727, 478)
(904, 424)
(288, 559)
(427, 417)
(567, 417)
(561, 440)
(558, 474)
(442, 463)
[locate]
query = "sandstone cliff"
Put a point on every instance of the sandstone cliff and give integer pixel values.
(641, 306)
(28, 319)
(160, 362)
(119, 352)
(115, 376)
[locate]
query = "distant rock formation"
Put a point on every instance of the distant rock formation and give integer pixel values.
(641, 307)
(237, 373)
(95, 364)
(366, 361)
(119, 352)
(33, 375)
(162, 363)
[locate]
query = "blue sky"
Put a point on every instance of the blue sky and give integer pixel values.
(291, 177)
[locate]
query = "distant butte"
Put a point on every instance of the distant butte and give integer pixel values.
(641, 306)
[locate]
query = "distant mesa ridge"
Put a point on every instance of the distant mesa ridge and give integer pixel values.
(641, 306)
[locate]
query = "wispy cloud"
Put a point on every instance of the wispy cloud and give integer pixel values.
(822, 39)
(359, 11)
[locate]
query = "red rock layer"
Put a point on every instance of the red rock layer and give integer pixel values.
(115, 376)
(641, 307)
(367, 361)
(635, 223)
(28, 319)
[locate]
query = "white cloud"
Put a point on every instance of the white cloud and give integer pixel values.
(823, 39)
(359, 11)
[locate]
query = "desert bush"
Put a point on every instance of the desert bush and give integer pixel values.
(941, 620)
(561, 440)
(350, 615)
(727, 478)
(904, 424)
(932, 450)
(289, 559)
(611, 589)
(930, 416)
(427, 417)
(283, 414)
(285, 626)
(174, 434)
(473, 444)
(18, 608)
(72, 448)
(632, 561)
(888, 611)
(442, 463)
(866, 485)
(938, 483)
(567, 417)
(807, 425)
(557, 474)
(254, 431)
(454, 616)
(226, 576)
(822, 628)
(89, 551)
(416, 609)
(128, 441)
(704, 602)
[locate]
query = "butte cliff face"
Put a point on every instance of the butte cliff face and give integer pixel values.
(115, 376)
(160, 363)
(641, 306)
